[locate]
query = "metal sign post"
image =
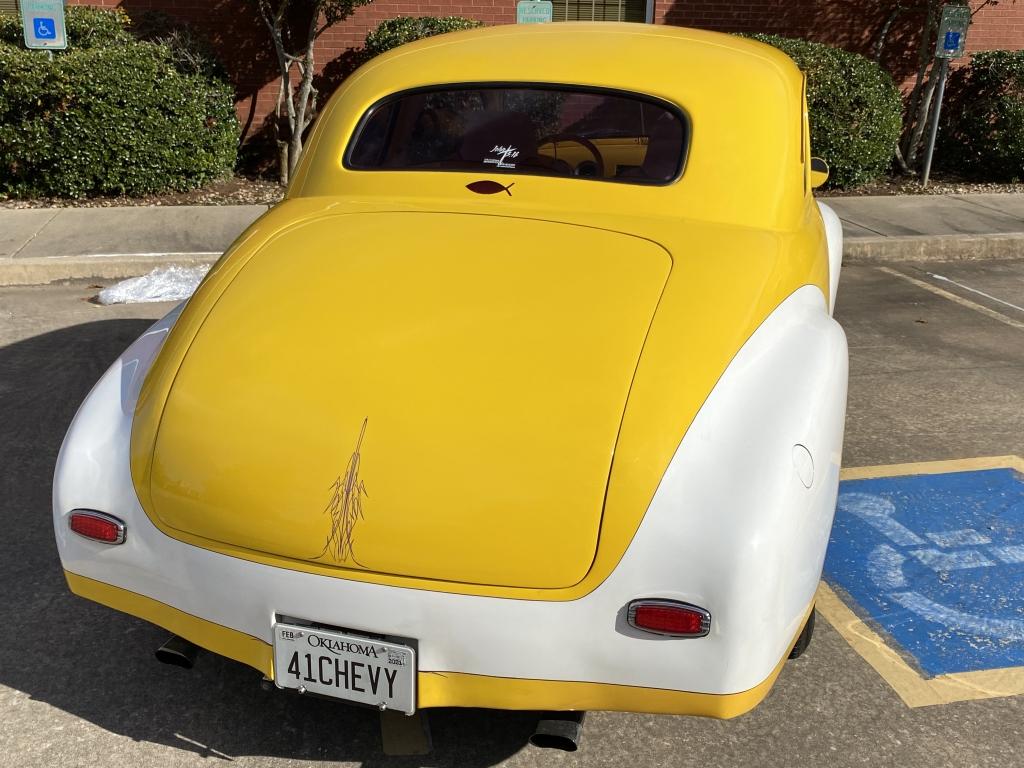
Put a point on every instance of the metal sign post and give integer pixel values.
(42, 23)
(950, 45)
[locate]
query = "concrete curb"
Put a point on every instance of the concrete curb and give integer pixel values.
(857, 250)
(871, 250)
(39, 271)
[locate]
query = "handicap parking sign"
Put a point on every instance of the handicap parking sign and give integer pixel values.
(42, 23)
(936, 562)
(45, 29)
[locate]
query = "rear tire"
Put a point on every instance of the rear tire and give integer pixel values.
(804, 640)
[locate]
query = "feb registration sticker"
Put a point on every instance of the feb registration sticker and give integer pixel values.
(345, 666)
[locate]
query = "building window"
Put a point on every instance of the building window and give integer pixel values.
(600, 10)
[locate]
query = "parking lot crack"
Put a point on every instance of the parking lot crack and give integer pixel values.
(35, 234)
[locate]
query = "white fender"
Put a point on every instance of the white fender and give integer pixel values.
(834, 235)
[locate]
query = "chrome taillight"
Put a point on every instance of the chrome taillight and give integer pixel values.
(668, 617)
(98, 526)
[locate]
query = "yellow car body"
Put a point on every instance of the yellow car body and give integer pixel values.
(391, 388)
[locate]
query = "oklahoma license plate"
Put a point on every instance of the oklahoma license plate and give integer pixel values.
(345, 666)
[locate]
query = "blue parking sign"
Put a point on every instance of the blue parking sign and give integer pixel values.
(45, 29)
(42, 24)
(952, 42)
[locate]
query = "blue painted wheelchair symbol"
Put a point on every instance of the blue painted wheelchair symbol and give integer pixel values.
(45, 29)
(951, 42)
(937, 562)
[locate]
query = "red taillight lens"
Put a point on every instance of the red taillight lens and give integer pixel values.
(668, 617)
(97, 526)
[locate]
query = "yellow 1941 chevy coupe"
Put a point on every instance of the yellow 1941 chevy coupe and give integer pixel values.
(528, 396)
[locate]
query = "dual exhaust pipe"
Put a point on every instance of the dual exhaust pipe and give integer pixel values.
(559, 730)
(178, 652)
(555, 730)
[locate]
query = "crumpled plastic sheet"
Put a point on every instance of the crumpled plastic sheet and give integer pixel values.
(173, 283)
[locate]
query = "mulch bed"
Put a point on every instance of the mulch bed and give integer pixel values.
(938, 184)
(238, 190)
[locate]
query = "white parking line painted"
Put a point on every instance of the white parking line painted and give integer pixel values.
(952, 561)
(956, 299)
(975, 290)
(968, 537)
(1000, 629)
(1011, 555)
(153, 255)
(876, 511)
(885, 567)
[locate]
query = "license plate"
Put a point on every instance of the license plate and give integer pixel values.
(345, 666)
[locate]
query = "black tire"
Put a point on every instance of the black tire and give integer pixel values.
(804, 640)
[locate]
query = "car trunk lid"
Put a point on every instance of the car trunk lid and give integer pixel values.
(417, 394)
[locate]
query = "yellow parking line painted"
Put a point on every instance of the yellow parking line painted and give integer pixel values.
(912, 688)
(915, 690)
(933, 467)
(957, 299)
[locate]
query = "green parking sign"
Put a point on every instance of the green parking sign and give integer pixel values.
(534, 12)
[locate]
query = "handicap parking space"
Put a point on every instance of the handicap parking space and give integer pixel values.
(935, 562)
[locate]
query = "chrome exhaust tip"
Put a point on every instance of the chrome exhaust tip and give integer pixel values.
(177, 652)
(559, 730)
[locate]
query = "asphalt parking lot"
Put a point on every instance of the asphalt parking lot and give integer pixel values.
(937, 372)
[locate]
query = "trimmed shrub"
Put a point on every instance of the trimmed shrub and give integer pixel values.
(85, 28)
(395, 32)
(120, 119)
(854, 109)
(984, 128)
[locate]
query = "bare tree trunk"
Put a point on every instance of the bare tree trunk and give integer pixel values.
(297, 105)
(883, 34)
(280, 138)
(274, 22)
(924, 60)
(901, 162)
(303, 112)
(282, 163)
(921, 119)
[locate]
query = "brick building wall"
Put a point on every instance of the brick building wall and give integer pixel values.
(851, 24)
(239, 36)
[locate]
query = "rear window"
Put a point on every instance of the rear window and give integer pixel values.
(545, 131)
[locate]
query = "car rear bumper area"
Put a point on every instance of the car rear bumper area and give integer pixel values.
(749, 552)
(439, 688)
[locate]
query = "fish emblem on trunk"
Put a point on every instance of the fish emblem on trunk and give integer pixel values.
(488, 187)
(346, 507)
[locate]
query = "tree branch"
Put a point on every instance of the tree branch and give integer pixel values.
(298, 100)
(883, 34)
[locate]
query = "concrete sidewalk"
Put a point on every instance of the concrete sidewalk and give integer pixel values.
(931, 227)
(41, 245)
(44, 245)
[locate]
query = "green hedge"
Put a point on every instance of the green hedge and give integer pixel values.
(983, 132)
(118, 120)
(395, 32)
(854, 108)
(85, 28)
(113, 116)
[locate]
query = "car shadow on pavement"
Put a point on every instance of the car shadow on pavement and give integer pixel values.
(98, 665)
